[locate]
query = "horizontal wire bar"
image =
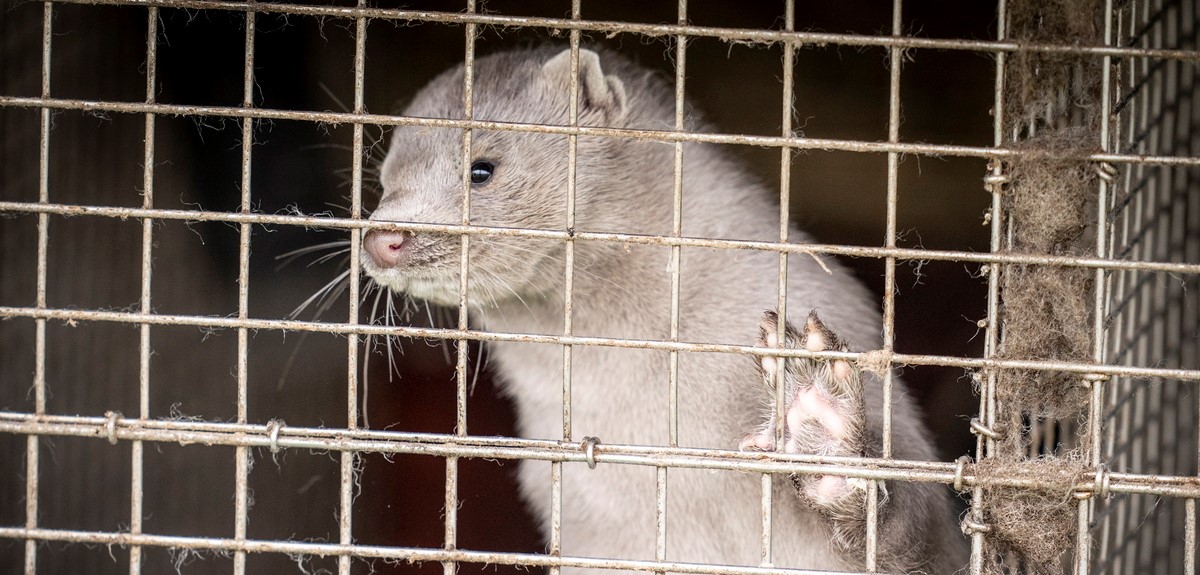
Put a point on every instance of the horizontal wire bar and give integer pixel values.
(740, 35)
(275, 435)
(409, 554)
(685, 241)
(901, 359)
(797, 142)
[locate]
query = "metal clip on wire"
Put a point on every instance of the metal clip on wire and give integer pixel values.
(959, 471)
(111, 425)
(1098, 488)
(589, 449)
(1106, 171)
(273, 428)
(994, 182)
(1102, 479)
(973, 524)
(978, 428)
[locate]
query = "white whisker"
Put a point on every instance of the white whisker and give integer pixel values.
(328, 257)
(288, 257)
(321, 296)
(390, 310)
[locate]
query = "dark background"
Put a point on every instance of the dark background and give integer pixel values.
(307, 64)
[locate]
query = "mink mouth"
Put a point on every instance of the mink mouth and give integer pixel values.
(421, 267)
(436, 288)
(430, 272)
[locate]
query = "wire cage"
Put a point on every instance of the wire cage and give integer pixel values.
(163, 407)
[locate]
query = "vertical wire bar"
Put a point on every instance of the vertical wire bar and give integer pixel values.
(349, 459)
(1186, 29)
(1087, 505)
(136, 481)
(677, 222)
(1137, 310)
(460, 427)
(889, 293)
(1189, 537)
(241, 489)
(1177, 428)
(43, 230)
(660, 512)
(889, 282)
(555, 547)
(1187, 15)
(1115, 290)
(1144, 214)
(1113, 413)
(1175, 424)
(984, 445)
(1154, 131)
(1189, 528)
(1100, 433)
(1123, 339)
(1165, 109)
(569, 272)
(785, 197)
(555, 544)
(1124, 517)
(1136, 354)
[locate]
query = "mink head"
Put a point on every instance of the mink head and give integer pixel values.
(518, 179)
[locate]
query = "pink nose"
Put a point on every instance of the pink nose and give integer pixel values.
(387, 249)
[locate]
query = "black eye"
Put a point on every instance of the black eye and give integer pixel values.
(481, 172)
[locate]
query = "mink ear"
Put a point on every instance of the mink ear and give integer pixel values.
(597, 92)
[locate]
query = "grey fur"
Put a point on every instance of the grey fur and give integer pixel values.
(620, 396)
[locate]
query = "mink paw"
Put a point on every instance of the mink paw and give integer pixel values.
(824, 411)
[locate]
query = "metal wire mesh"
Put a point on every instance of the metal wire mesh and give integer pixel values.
(1150, 426)
(1137, 509)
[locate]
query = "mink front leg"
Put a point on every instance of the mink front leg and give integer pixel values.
(825, 414)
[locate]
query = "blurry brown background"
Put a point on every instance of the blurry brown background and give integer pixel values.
(307, 64)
